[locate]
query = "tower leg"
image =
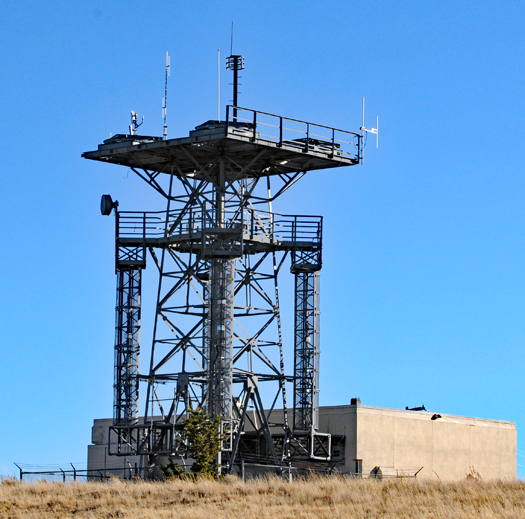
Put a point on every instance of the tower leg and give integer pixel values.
(127, 347)
(306, 368)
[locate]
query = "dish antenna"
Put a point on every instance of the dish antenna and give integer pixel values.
(165, 98)
(134, 125)
(371, 130)
(107, 205)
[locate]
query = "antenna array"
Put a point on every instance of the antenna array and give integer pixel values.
(134, 125)
(235, 63)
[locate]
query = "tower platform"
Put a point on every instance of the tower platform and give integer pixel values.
(259, 144)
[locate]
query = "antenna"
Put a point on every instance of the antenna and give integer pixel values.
(165, 98)
(235, 63)
(134, 125)
(371, 130)
(218, 85)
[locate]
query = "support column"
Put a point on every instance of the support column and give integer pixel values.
(127, 347)
(220, 343)
(306, 352)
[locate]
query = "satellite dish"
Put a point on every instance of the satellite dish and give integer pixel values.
(107, 205)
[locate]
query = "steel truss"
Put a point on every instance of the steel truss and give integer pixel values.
(219, 248)
(127, 346)
(218, 329)
(306, 366)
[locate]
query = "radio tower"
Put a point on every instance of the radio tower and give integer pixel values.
(219, 249)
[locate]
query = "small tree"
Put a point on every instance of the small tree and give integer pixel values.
(204, 441)
(173, 471)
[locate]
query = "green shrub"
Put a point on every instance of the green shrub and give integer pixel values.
(203, 445)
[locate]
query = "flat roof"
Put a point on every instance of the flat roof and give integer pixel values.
(419, 415)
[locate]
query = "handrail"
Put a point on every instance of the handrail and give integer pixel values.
(290, 119)
(250, 223)
(333, 142)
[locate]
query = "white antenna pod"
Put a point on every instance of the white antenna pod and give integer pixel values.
(165, 98)
(134, 124)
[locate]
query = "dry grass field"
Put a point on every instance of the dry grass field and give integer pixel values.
(264, 498)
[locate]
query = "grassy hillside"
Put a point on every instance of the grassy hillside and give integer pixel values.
(273, 498)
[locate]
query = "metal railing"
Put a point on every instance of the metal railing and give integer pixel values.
(305, 136)
(192, 224)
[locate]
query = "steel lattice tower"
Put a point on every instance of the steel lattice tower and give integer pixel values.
(219, 249)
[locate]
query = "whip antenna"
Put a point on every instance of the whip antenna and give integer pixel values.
(218, 84)
(165, 98)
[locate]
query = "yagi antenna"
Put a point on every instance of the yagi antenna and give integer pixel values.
(165, 98)
(134, 125)
(371, 130)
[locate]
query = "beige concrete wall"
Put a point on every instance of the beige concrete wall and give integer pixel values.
(341, 420)
(448, 448)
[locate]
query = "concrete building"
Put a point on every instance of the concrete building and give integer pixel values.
(439, 445)
(391, 442)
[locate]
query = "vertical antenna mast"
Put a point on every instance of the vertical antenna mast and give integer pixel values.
(372, 130)
(165, 98)
(234, 62)
(219, 85)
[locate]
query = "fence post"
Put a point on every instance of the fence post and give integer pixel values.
(21, 472)
(243, 477)
(74, 472)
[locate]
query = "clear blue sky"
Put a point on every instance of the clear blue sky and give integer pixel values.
(423, 285)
